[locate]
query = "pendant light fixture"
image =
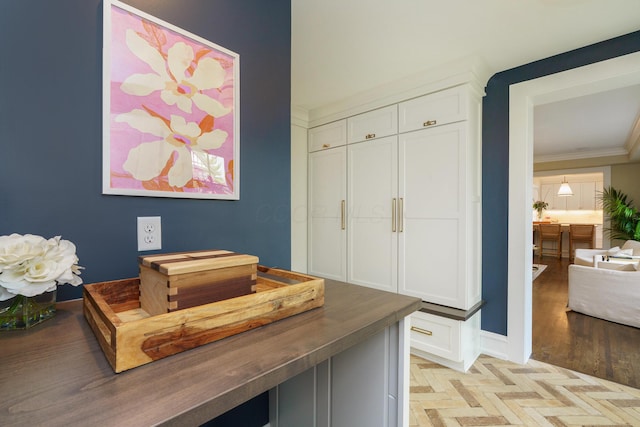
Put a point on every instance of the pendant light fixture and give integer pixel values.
(564, 189)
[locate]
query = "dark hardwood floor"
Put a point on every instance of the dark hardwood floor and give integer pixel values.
(576, 341)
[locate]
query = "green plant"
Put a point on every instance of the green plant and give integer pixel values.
(624, 217)
(539, 206)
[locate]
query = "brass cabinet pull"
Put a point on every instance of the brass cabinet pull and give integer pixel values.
(370, 135)
(421, 331)
(326, 145)
(400, 215)
(429, 123)
(342, 212)
(393, 215)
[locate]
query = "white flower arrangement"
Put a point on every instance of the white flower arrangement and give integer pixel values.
(31, 265)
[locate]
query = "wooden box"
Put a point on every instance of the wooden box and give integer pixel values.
(130, 337)
(176, 281)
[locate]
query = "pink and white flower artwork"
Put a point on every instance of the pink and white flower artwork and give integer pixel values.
(173, 111)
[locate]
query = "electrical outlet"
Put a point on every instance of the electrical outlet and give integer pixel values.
(149, 233)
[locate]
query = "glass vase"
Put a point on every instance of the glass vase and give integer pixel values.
(22, 312)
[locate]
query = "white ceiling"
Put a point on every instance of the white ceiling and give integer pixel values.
(597, 125)
(341, 48)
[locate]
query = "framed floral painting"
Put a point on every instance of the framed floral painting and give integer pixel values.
(171, 110)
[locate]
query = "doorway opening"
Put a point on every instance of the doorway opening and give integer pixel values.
(523, 97)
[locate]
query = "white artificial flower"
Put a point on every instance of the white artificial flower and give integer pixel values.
(31, 265)
(16, 249)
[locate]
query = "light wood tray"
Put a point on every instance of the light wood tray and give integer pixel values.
(130, 337)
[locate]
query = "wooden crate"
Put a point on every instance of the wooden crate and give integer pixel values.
(130, 337)
(176, 281)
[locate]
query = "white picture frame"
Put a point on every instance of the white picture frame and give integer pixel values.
(171, 110)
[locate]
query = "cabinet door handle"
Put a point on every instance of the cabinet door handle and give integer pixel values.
(370, 135)
(429, 123)
(393, 215)
(342, 212)
(421, 331)
(326, 145)
(400, 215)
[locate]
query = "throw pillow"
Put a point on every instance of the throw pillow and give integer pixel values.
(633, 245)
(616, 251)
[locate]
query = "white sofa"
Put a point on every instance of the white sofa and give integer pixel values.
(585, 256)
(612, 295)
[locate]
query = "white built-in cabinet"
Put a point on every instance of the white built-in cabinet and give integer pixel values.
(440, 232)
(549, 193)
(585, 196)
(372, 213)
(374, 124)
(327, 193)
(328, 136)
(410, 218)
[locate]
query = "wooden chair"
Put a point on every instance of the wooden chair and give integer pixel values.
(583, 233)
(551, 233)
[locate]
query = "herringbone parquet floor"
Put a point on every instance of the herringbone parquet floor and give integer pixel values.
(500, 393)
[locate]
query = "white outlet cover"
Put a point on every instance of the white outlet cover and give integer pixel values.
(149, 233)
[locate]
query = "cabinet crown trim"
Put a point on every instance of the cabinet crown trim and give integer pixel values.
(471, 71)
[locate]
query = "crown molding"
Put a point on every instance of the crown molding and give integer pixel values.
(299, 116)
(633, 143)
(469, 70)
(576, 155)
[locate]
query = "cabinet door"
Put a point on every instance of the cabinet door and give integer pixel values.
(373, 124)
(588, 196)
(327, 136)
(574, 203)
(327, 250)
(436, 335)
(372, 241)
(550, 195)
(559, 202)
(435, 109)
(584, 196)
(547, 195)
(365, 385)
(360, 384)
(432, 241)
(452, 343)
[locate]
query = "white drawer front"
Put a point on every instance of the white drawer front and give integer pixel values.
(374, 124)
(328, 136)
(435, 109)
(436, 335)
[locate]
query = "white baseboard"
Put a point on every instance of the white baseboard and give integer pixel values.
(491, 344)
(458, 366)
(494, 345)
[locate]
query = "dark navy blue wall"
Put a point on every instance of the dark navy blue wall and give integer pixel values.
(50, 139)
(50, 134)
(495, 165)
